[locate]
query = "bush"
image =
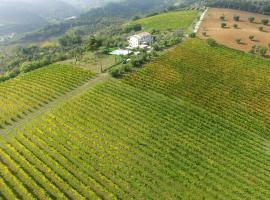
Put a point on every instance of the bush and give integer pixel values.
(238, 40)
(263, 51)
(261, 28)
(211, 42)
(236, 18)
(30, 66)
(223, 25)
(251, 19)
(222, 18)
(235, 25)
(265, 21)
(116, 72)
(135, 27)
(251, 37)
(192, 35)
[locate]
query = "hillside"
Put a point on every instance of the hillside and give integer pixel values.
(188, 125)
(228, 35)
(89, 4)
(15, 17)
(21, 16)
(171, 20)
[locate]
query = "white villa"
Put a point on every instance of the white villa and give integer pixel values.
(140, 40)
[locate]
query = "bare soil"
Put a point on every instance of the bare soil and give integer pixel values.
(211, 25)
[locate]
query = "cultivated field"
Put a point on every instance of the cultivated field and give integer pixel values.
(27, 93)
(191, 125)
(227, 36)
(171, 20)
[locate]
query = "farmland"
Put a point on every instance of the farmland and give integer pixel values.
(92, 62)
(171, 20)
(182, 127)
(27, 93)
(227, 36)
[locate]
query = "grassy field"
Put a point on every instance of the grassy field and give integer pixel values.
(93, 63)
(191, 125)
(227, 36)
(170, 20)
(26, 93)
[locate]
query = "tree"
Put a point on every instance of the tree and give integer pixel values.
(261, 28)
(253, 49)
(133, 27)
(92, 43)
(211, 42)
(263, 51)
(238, 40)
(69, 40)
(236, 18)
(223, 25)
(77, 53)
(265, 21)
(251, 19)
(222, 17)
(251, 37)
(235, 25)
(192, 35)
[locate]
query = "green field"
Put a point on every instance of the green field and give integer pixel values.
(171, 20)
(94, 63)
(194, 124)
(25, 94)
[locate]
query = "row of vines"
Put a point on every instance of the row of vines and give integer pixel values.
(226, 82)
(26, 93)
(116, 141)
(194, 124)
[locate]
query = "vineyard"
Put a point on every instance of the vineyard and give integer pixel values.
(226, 82)
(190, 125)
(25, 94)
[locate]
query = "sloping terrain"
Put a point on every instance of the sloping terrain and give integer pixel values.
(228, 36)
(191, 125)
(171, 20)
(25, 94)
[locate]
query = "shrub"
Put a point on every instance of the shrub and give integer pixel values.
(261, 28)
(211, 42)
(204, 34)
(253, 49)
(238, 40)
(223, 25)
(222, 17)
(235, 25)
(134, 27)
(192, 35)
(251, 37)
(116, 72)
(263, 51)
(251, 19)
(265, 21)
(236, 18)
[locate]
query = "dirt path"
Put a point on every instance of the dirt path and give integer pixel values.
(92, 82)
